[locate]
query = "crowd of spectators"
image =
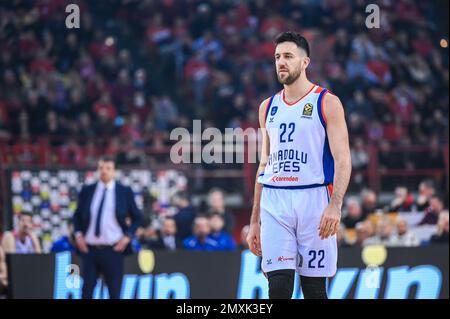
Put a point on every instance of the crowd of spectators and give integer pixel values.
(136, 69)
(208, 227)
(406, 221)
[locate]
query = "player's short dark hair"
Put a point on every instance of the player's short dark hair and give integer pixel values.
(290, 36)
(107, 158)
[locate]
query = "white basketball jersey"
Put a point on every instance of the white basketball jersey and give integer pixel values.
(300, 155)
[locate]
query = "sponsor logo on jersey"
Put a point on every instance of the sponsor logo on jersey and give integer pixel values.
(285, 179)
(307, 109)
(281, 258)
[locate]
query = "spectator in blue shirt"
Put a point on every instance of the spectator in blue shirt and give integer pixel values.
(201, 239)
(66, 242)
(224, 240)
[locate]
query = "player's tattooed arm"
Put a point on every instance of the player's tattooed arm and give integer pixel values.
(339, 146)
(253, 237)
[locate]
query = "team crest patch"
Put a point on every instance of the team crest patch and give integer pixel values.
(307, 109)
(274, 110)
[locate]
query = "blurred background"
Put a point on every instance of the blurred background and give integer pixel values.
(135, 70)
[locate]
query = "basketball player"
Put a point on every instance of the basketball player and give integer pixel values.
(302, 177)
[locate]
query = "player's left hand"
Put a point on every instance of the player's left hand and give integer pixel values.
(122, 244)
(329, 223)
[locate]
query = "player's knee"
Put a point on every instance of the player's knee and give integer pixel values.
(314, 287)
(281, 283)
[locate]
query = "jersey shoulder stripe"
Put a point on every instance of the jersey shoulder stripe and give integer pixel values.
(268, 107)
(320, 107)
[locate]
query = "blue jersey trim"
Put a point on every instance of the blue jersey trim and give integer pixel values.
(319, 107)
(328, 162)
(295, 187)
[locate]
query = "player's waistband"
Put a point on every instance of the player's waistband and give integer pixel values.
(296, 186)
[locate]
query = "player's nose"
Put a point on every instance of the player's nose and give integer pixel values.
(281, 65)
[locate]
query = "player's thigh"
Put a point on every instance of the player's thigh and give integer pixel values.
(278, 244)
(317, 257)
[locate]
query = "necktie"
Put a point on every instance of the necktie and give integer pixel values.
(99, 214)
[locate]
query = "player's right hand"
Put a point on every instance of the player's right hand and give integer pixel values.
(81, 244)
(254, 239)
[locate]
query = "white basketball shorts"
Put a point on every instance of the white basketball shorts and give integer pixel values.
(290, 239)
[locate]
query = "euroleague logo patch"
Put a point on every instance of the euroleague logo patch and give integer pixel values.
(274, 110)
(307, 110)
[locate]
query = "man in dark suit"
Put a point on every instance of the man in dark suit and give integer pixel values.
(102, 233)
(167, 236)
(185, 216)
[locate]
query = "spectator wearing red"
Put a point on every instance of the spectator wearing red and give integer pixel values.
(378, 71)
(25, 152)
(403, 200)
(157, 33)
(41, 63)
(101, 46)
(198, 72)
(132, 129)
(140, 105)
(71, 154)
(104, 109)
(422, 44)
(123, 91)
(407, 11)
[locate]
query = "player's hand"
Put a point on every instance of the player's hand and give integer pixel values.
(329, 223)
(122, 244)
(81, 243)
(254, 239)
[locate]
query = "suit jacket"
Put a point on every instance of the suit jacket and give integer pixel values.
(159, 243)
(125, 206)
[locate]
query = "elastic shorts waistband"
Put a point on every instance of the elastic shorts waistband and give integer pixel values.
(296, 187)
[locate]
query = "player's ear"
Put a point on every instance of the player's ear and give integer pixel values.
(306, 61)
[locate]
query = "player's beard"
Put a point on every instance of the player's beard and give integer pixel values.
(291, 78)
